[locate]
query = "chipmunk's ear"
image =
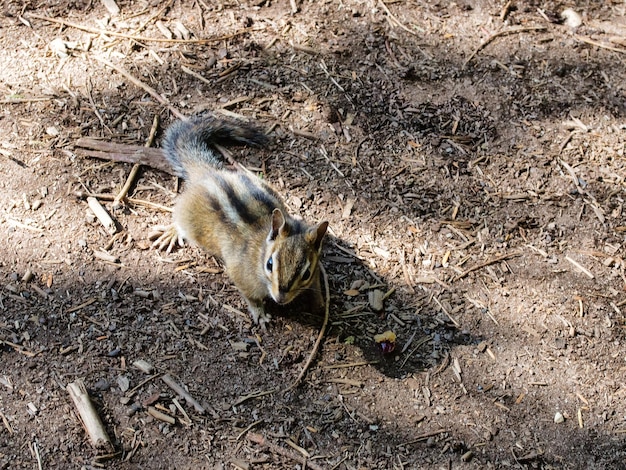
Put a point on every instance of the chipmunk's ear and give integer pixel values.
(316, 235)
(279, 226)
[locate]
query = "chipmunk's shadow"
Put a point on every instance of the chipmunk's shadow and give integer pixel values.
(424, 336)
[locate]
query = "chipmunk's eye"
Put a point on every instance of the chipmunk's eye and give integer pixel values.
(269, 265)
(306, 275)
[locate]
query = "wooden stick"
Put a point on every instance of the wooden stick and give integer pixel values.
(131, 200)
(23, 100)
(38, 457)
(111, 151)
(396, 20)
(18, 348)
(89, 416)
(152, 411)
(180, 390)
(135, 169)
(319, 336)
(423, 437)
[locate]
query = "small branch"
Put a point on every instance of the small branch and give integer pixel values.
(580, 267)
(319, 336)
(423, 437)
(151, 157)
(37, 455)
(396, 20)
(89, 416)
(130, 200)
(135, 169)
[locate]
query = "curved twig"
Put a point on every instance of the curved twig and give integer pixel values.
(319, 336)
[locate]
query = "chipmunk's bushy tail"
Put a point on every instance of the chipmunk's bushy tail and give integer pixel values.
(188, 145)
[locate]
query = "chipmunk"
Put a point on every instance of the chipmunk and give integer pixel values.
(241, 219)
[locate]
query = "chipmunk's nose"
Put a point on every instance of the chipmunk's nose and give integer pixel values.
(281, 297)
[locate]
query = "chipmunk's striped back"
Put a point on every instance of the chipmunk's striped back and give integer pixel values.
(239, 198)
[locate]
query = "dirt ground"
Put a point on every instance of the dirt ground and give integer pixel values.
(469, 157)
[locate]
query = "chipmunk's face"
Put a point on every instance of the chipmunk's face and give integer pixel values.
(292, 257)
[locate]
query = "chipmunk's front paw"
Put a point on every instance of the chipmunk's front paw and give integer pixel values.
(264, 320)
(258, 314)
(165, 237)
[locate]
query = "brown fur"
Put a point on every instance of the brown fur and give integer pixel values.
(239, 218)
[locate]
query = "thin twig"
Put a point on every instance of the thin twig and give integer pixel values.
(396, 20)
(151, 91)
(37, 456)
(445, 310)
(423, 437)
(130, 200)
(141, 38)
(262, 441)
(580, 267)
(599, 44)
(319, 336)
(135, 169)
(497, 35)
(23, 100)
(487, 263)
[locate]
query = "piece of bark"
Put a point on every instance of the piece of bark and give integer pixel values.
(89, 416)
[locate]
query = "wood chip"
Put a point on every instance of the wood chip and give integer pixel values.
(347, 208)
(102, 215)
(375, 298)
(104, 256)
(156, 414)
(143, 366)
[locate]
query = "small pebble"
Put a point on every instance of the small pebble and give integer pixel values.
(134, 408)
(123, 383)
(572, 19)
(558, 418)
(116, 352)
(102, 385)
